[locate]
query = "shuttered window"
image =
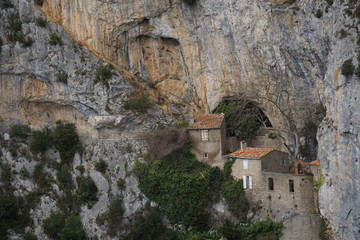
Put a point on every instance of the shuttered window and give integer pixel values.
(204, 135)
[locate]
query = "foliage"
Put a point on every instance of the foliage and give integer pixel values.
(6, 175)
(114, 216)
(244, 231)
(272, 135)
(182, 124)
(81, 169)
(14, 213)
(29, 236)
(62, 77)
(87, 190)
(7, 4)
(189, 2)
(73, 229)
(140, 103)
(39, 2)
(20, 131)
(54, 224)
(41, 22)
(318, 13)
(41, 177)
(147, 225)
(347, 69)
(235, 198)
(101, 166)
(330, 2)
(121, 184)
(103, 74)
(69, 203)
(54, 39)
(66, 141)
(357, 12)
(64, 178)
(185, 188)
(41, 140)
(242, 118)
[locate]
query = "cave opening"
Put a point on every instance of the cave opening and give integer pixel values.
(243, 118)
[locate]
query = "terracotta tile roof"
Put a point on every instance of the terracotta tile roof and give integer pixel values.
(251, 152)
(315, 163)
(207, 121)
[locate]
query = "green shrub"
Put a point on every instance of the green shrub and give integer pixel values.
(121, 184)
(114, 216)
(29, 236)
(81, 169)
(62, 77)
(73, 229)
(41, 140)
(54, 39)
(357, 72)
(64, 178)
(189, 2)
(40, 22)
(66, 141)
(6, 174)
(15, 23)
(103, 74)
(87, 190)
(318, 13)
(24, 173)
(272, 135)
(41, 177)
(357, 12)
(39, 2)
(147, 225)
(182, 124)
(235, 198)
(7, 4)
(140, 103)
(342, 33)
(101, 166)
(20, 131)
(347, 69)
(54, 224)
(330, 2)
(69, 203)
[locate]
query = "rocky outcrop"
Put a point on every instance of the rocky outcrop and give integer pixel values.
(280, 54)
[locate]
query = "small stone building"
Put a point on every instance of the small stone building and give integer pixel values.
(314, 167)
(270, 183)
(208, 136)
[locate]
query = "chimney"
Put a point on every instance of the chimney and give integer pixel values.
(242, 145)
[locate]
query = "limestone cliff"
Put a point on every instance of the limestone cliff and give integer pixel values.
(191, 57)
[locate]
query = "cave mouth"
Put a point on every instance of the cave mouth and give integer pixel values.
(243, 118)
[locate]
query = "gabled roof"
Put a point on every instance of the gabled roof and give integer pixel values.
(315, 163)
(252, 152)
(207, 121)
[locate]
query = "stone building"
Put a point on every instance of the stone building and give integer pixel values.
(315, 169)
(208, 136)
(271, 184)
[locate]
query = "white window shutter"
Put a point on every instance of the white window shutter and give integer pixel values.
(244, 181)
(250, 182)
(246, 164)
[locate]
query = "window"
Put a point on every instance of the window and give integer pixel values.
(204, 135)
(300, 169)
(291, 185)
(246, 164)
(271, 184)
(206, 155)
(247, 182)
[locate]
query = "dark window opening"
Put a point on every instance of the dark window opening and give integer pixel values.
(291, 185)
(271, 184)
(206, 155)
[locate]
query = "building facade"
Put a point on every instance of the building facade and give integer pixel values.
(271, 184)
(208, 136)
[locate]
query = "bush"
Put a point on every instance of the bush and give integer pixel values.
(73, 229)
(101, 166)
(347, 69)
(40, 22)
(41, 177)
(39, 2)
(318, 13)
(147, 225)
(189, 2)
(121, 184)
(6, 174)
(114, 216)
(140, 103)
(54, 224)
(29, 236)
(62, 77)
(64, 178)
(103, 74)
(20, 131)
(235, 198)
(87, 190)
(66, 141)
(7, 4)
(54, 39)
(41, 141)
(330, 2)
(357, 12)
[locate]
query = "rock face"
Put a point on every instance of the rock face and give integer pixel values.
(284, 56)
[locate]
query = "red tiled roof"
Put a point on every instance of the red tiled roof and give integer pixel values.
(207, 121)
(315, 163)
(251, 152)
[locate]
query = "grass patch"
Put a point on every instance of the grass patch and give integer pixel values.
(101, 166)
(54, 39)
(40, 22)
(140, 103)
(103, 74)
